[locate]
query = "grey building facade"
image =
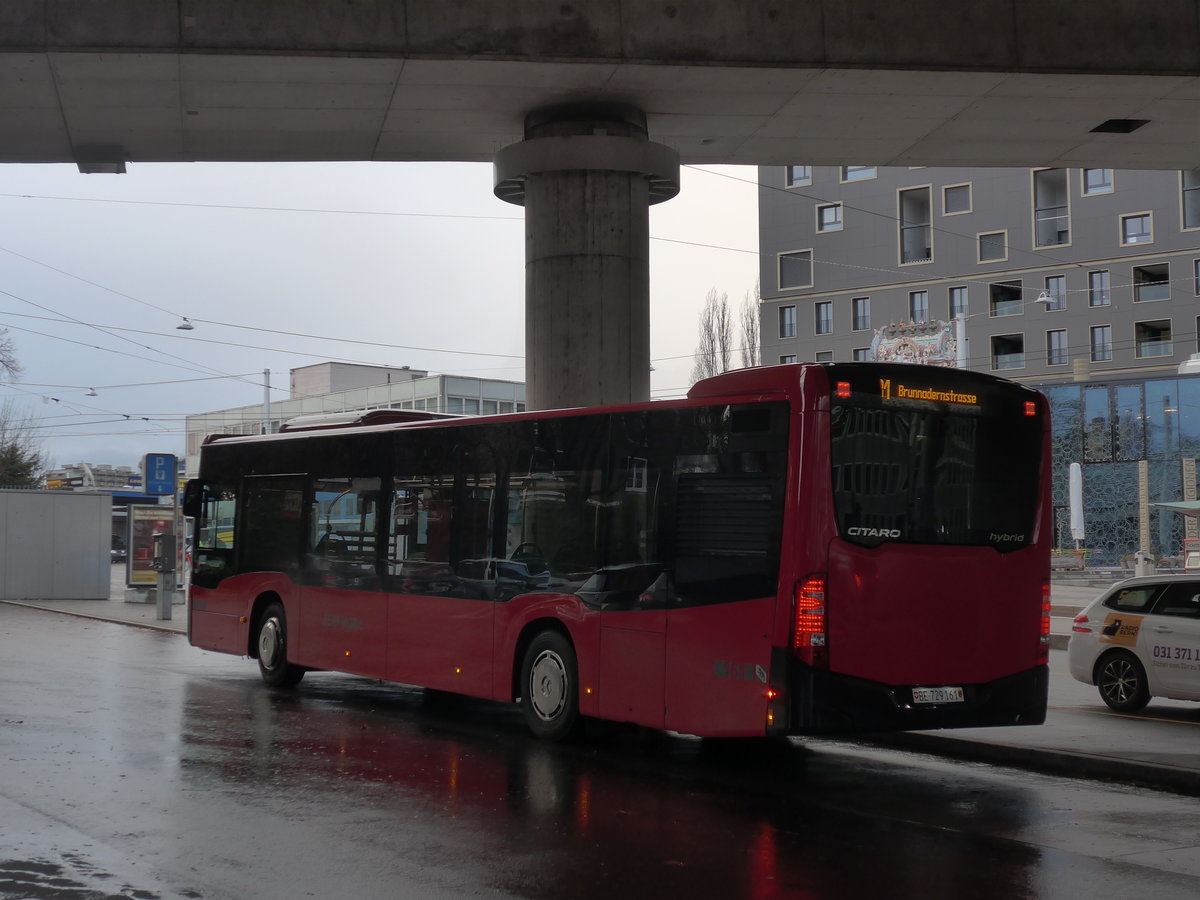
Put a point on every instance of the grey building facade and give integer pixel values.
(1113, 255)
(1083, 282)
(340, 387)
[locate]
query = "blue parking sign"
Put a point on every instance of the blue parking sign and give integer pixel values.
(159, 471)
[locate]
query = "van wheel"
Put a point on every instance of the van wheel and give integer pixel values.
(549, 687)
(1122, 682)
(272, 649)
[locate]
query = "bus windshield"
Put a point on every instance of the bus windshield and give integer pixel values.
(911, 470)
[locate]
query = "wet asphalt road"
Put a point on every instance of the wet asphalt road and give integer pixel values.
(132, 765)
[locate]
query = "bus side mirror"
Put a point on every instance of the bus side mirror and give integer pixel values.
(193, 498)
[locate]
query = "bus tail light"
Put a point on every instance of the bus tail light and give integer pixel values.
(809, 621)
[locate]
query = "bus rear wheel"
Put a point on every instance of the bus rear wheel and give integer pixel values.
(271, 642)
(549, 687)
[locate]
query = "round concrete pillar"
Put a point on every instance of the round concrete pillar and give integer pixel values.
(586, 175)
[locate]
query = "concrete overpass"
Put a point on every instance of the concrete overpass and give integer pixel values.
(587, 106)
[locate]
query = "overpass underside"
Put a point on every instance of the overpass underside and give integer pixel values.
(632, 88)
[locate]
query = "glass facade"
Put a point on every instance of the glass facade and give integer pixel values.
(1114, 430)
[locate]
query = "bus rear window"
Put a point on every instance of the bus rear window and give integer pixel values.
(932, 474)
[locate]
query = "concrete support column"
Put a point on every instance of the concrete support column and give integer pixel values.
(586, 175)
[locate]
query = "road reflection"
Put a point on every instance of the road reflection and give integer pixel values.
(635, 813)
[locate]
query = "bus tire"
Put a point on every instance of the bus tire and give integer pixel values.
(271, 642)
(1122, 681)
(549, 687)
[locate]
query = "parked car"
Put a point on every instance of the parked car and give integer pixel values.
(1140, 639)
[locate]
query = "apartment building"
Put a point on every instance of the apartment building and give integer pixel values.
(1083, 282)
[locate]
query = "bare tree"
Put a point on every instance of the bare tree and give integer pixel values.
(9, 367)
(715, 350)
(21, 457)
(748, 317)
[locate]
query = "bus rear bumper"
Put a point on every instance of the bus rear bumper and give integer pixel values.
(823, 702)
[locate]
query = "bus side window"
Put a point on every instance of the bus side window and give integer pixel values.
(343, 528)
(344, 519)
(418, 543)
(567, 487)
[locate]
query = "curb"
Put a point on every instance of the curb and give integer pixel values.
(134, 623)
(1047, 762)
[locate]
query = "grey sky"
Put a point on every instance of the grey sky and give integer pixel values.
(404, 254)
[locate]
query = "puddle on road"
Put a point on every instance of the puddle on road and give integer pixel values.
(72, 878)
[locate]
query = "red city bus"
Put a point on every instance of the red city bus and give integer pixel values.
(790, 549)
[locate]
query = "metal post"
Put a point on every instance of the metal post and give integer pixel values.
(266, 425)
(166, 593)
(960, 341)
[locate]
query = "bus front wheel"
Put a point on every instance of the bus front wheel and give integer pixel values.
(549, 687)
(272, 649)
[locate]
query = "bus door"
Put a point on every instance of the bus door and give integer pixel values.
(633, 625)
(443, 582)
(270, 538)
(343, 615)
(723, 602)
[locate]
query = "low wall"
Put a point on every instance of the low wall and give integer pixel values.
(55, 545)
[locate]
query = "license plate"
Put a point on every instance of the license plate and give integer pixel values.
(937, 695)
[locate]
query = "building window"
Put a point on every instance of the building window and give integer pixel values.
(823, 356)
(918, 306)
(1152, 338)
(993, 246)
(956, 199)
(1098, 290)
(1056, 290)
(857, 173)
(1189, 181)
(1008, 351)
(861, 354)
(1051, 212)
(1196, 277)
(1137, 228)
(861, 310)
(1152, 282)
(797, 176)
(795, 270)
(958, 301)
(1097, 181)
(1101, 343)
(915, 234)
(823, 317)
(787, 359)
(1005, 298)
(1056, 347)
(787, 321)
(829, 217)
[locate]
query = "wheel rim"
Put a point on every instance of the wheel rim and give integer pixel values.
(1120, 682)
(270, 642)
(548, 685)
